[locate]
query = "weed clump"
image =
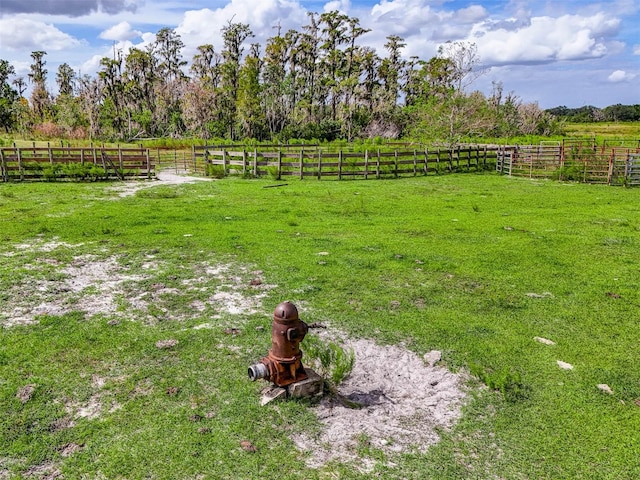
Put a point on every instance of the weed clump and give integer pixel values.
(332, 361)
(506, 381)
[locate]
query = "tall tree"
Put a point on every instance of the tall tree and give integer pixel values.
(334, 27)
(91, 95)
(65, 78)
(68, 108)
(276, 84)
(40, 99)
(113, 109)
(206, 66)
(140, 80)
(391, 71)
(233, 36)
(251, 118)
(167, 49)
(8, 96)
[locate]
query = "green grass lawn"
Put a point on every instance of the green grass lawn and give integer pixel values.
(474, 265)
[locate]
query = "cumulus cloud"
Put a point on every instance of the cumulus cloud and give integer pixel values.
(620, 76)
(28, 35)
(200, 27)
(419, 23)
(636, 49)
(119, 32)
(340, 5)
(73, 8)
(546, 39)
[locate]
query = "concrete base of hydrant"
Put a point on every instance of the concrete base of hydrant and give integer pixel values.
(310, 387)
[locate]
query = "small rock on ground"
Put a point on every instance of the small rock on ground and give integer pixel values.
(564, 365)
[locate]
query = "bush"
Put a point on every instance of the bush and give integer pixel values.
(215, 171)
(76, 171)
(50, 172)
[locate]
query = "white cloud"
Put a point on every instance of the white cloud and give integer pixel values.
(636, 49)
(546, 39)
(620, 76)
(19, 33)
(200, 27)
(92, 65)
(121, 31)
(340, 5)
(472, 14)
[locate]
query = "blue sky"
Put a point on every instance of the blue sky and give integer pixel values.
(563, 52)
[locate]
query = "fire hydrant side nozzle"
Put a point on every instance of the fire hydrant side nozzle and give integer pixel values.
(283, 364)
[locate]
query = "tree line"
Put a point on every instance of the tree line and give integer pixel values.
(316, 82)
(589, 113)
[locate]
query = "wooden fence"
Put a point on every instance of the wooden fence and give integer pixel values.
(316, 163)
(74, 163)
(572, 161)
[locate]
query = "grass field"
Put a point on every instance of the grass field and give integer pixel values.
(629, 130)
(153, 383)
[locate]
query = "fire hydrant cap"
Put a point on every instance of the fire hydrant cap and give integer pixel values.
(286, 311)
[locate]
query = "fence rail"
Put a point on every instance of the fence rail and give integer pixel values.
(313, 162)
(574, 160)
(53, 163)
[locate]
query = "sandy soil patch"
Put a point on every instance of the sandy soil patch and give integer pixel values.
(104, 286)
(404, 404)
(128, 189)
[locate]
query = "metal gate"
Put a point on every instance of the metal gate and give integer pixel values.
(633, 169)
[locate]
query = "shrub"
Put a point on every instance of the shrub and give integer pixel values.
(215, 171)
(76, 171)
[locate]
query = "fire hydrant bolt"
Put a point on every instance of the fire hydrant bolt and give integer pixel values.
(283, 364)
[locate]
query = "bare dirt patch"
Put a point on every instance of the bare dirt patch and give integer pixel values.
(163, 178)
(104, 286)
(404, 402)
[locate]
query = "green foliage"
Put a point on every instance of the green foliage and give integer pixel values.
(215, 171)
(273, 172)
(333, 361)
(77, 171)
(506, 381)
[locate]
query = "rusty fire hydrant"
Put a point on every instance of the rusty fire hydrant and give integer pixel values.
(283, 364)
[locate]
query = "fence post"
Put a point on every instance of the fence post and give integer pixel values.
(319, 164)
(255, 162)
(3, 167)
(224, 162)
(415, 162)
(20, 164)
(340, 165)
(244, 162)
(50, 152)
(301, 163)
(484, 159)
(395, 163)
(426, 161)
(148, 164)
(366, 164)
(378, 166)
(279, 163)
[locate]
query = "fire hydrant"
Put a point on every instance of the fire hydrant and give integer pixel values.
(283, 364)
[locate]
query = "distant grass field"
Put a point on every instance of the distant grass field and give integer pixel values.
(604, 130)
(474, 265)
